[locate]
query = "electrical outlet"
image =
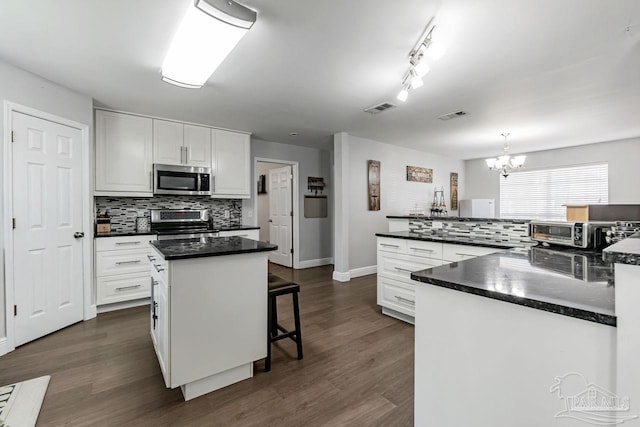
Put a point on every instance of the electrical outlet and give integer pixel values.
(226, 213)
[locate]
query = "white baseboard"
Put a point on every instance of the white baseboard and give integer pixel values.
(363, 271)
(314, 262)
(341, 277)
(123, 305)
(4, 346)
(92, 312)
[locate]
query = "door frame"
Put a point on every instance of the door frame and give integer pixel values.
(295, 202)
(89, 308)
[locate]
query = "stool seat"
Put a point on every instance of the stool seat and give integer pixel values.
(277, 287)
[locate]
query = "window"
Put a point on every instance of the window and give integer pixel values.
(541, 194)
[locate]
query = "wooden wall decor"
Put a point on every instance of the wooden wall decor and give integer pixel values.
(414, 173)
(374, 185)
(454, 191)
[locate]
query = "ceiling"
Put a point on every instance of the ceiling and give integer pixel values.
(554, 73)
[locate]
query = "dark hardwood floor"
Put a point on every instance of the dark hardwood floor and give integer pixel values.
(357, 368)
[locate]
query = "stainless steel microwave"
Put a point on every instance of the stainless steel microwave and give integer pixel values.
(187, 180)
(576, 234)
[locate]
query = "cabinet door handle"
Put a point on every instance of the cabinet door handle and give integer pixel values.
(127, 243)
(409, 301)
(158, 269)
(403, 269)
(422, 250)
(151, 258)
(386, 245)
(124, 288)
(137, 261)
(186, 155)
(463, 254)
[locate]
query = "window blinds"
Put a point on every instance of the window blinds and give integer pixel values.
(541, 194)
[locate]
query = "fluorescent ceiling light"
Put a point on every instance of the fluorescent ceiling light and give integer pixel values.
(207, 34)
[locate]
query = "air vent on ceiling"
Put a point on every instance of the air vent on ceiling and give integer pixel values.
(452, 115)
(379, 108)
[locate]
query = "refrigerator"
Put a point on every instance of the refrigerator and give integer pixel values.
(478, 208)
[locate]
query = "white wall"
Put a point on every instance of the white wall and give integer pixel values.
(263, 199)
(27, 89)
(397, 195)
(622, 156)
(315, 233)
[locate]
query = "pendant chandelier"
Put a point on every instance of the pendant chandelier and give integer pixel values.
(505, 164)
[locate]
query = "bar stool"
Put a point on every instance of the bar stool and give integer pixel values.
(276, 332)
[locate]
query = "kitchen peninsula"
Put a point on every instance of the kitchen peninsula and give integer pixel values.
(511, 337)
(208, 310)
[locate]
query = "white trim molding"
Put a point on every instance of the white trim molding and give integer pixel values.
(341, 277)
(315, 262)
(363, 271)
(4, 346)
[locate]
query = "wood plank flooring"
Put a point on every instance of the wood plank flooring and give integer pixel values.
(357, 368)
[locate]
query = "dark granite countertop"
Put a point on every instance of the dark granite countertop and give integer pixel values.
(457, 240)
(209, 246)
(568, 282)
(239, 227)
(626, 251)
(125, 233)
(457, 218)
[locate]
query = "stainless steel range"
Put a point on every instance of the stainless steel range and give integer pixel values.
(171, 224)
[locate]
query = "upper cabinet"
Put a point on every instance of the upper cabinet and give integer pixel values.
(124, 159)
(181, 144)
(231, 164)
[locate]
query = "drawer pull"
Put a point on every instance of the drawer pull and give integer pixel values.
(463, 254)
(389, 246)
(158, 269)
(127, 243)
(409, 301)
(124, 288)
(403, 269)
(423, 250)
(151, 258)
(137, 261)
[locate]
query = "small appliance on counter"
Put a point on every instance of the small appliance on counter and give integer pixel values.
(584, 235)
(478, 208)
(103, 223)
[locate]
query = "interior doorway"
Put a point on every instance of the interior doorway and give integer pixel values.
(275, 208)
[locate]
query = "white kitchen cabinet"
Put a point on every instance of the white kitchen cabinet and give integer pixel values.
(160, 323)
(123, 159)
(231, 160)
(398, 258)
(247, 234)
(180, 144)
(122, 268)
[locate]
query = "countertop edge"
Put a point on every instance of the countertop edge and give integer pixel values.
(603, 319)
(209, 255)
(626, 251)
(452, 240)
(461, 219)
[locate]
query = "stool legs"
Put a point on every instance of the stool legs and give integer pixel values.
(296, 316)
(267, 362)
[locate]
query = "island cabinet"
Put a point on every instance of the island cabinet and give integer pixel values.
(122, 270)
(398, 258)
(181, 144)
(124, 154)
(208, 311)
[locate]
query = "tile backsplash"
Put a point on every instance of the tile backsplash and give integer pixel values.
(515, 232)
(124, 210)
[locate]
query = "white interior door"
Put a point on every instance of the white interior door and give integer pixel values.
(280, 215)
(47, 207)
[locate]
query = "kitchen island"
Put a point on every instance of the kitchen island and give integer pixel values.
(208, 310)
(514, 337)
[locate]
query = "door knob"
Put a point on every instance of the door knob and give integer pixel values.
(270, 220)
(78, 234)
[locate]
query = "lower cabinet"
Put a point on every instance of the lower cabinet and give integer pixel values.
(247, 234)
(122, 268)
(160, 322)
(398, 258)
